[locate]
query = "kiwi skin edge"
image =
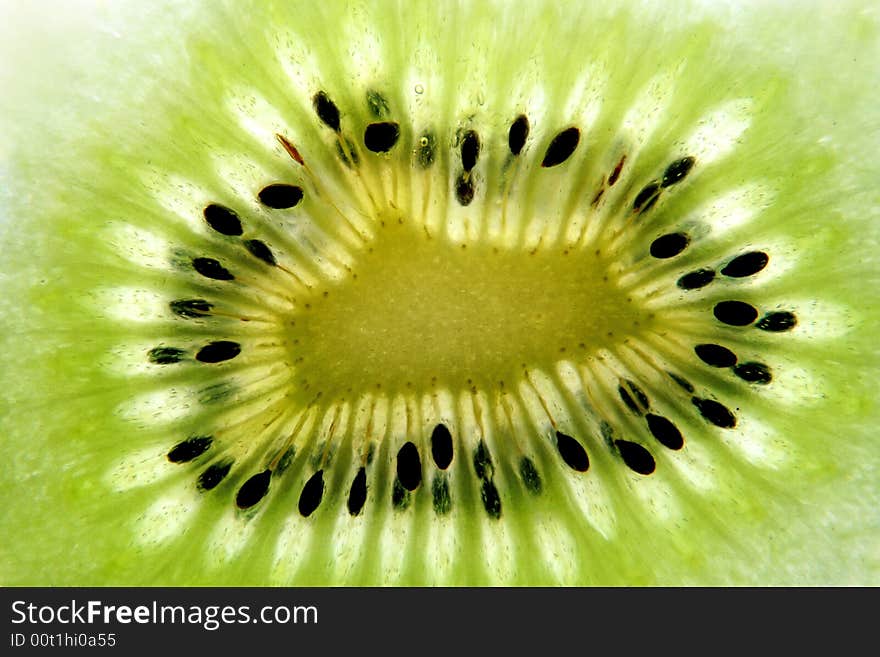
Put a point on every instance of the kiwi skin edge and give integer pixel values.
(102, 213)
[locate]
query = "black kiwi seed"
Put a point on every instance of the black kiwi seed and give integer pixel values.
(311, 495)
(400, 497)
(572, 452)
(223, 220)
(285, 460)
(561, 148)
(777, 321)
(530, 476)
(377, 104)
(650, 203)
(253, 490)
(753, 373)
(735, 313)
(647, 196)
(665, 431)
(441, 446)
(190, 449)
(640, 396)
(669, 246)
(326, 110)
(519, 132)
(696, 279)
(348, 155)
(357, 495)
(637, 458)
(464, 189)
(746, 264)
(676, 171)
(280, 196)
(715, 355)
(258, 249)
(716, 413)
(409, 466)
(427, 150)
(615, 173)
(381, 137)
(166, 355)
(210, 268)
(218, 351)
(190, 308)
(681, 381)
(216, 392)
(440, 495)
(483, 462)
(491, 499)
(470, 150)
(628, 400)
(213, 475)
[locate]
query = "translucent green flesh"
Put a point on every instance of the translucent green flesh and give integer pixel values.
(457, 315)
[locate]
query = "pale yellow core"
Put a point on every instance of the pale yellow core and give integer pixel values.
(419, 312)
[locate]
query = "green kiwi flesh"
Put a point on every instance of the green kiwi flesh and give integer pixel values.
(396, 293)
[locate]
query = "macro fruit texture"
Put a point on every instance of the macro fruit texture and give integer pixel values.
(440, 293)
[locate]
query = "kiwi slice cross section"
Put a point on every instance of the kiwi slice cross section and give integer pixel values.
(365, 301)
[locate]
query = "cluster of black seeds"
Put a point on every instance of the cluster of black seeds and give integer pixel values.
(662, 428)
(408, 479)
(383, 136)
(742, 266)
(213, 352)
(226, 221)
(379, 137)
(191, 449)
(465, 184)
(442, 453)
(737, 313)
(719, 356)
(485, 470)
(409, 471)
(712, 411)
(650, 193)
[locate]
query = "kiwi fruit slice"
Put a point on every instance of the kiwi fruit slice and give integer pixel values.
(432, 293)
